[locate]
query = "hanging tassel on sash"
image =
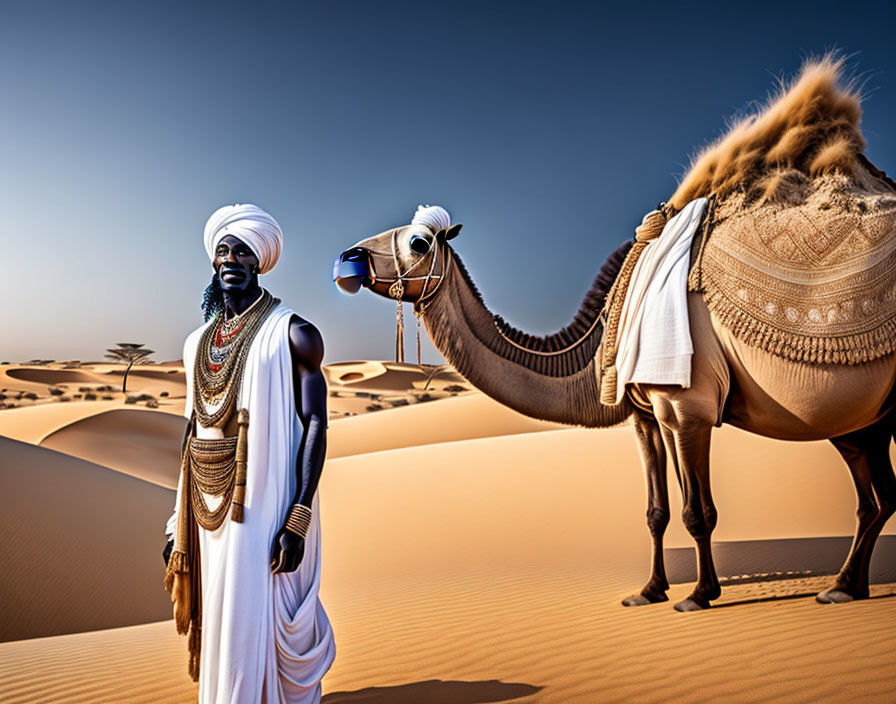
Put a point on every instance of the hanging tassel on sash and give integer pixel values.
(182, 575)
(239, 490)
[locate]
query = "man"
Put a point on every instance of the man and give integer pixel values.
(244, 571)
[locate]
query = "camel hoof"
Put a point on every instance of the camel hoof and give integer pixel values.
(691, 604)
(833, 596)
(642, 599)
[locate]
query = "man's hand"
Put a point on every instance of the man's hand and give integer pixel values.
(287, 552)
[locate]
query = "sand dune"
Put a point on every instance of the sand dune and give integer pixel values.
(139, 664)
(140, 443)
(470, 555)
(34, 423)
(478, 499)
(354, 372)
(148, 381)
(461, 418)
(81, 545)
(496, 571)
(51, 377)
(356, 388)
(505, 559)
(391, 376)
(140, 380)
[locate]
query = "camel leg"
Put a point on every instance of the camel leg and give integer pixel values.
(866, 452)
(687, 440)
(653, 457)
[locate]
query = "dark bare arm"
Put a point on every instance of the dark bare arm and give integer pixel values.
(310, 387)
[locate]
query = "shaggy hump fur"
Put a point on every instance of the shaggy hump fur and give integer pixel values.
(810, 127)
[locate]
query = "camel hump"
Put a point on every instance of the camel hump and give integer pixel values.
(809, 128)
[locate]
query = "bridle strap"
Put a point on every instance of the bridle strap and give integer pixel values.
(419, 308)
(396, 291)
(426, 296)
(602, 316)
(403, 277)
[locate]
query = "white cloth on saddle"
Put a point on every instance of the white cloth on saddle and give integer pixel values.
(654, 340)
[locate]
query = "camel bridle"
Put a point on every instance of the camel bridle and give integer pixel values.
(397, 288)
(397, 285)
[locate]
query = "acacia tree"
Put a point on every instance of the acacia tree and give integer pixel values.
(433, 372)
(129, 353)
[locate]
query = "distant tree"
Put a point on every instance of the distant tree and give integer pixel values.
(433, 371)
(129, 353)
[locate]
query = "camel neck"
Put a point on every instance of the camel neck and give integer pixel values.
(465, 332)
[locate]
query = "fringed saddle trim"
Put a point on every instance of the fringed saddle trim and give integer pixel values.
(811, 349)
(242, 455)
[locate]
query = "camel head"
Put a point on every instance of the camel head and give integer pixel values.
(552, 378)
(406, 262)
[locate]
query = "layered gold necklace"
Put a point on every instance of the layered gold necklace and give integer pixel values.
(221, 360)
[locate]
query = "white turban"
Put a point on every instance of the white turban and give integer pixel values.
(432, 216)
(252, 226)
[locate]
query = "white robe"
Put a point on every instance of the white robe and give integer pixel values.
(265, 637)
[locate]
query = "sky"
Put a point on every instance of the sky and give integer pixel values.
(548, 129)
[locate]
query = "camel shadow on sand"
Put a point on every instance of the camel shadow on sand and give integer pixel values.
(742, 561)
(763, 561)
(436, 692)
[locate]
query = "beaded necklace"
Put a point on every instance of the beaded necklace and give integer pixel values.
(221, 358)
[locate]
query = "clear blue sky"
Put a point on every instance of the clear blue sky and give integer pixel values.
(548, 129)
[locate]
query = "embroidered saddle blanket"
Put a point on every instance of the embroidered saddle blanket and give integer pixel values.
(812, 280)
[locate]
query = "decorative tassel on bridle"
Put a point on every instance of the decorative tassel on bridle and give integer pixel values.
(396, 291)
(417, 315)
(437, 220)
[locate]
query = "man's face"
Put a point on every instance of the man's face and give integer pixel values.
(235, 264)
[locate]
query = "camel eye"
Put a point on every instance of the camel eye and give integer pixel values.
(420, 244)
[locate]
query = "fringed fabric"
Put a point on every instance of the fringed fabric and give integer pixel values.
(854, 349)
(183, 573)
(811, 280)
(651, 227)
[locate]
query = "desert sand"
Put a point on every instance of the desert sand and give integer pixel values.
(470, 555)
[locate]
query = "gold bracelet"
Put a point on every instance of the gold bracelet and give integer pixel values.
(299, 520)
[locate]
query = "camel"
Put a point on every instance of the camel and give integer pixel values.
(806, 134)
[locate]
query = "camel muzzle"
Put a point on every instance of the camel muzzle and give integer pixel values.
(351, 270)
